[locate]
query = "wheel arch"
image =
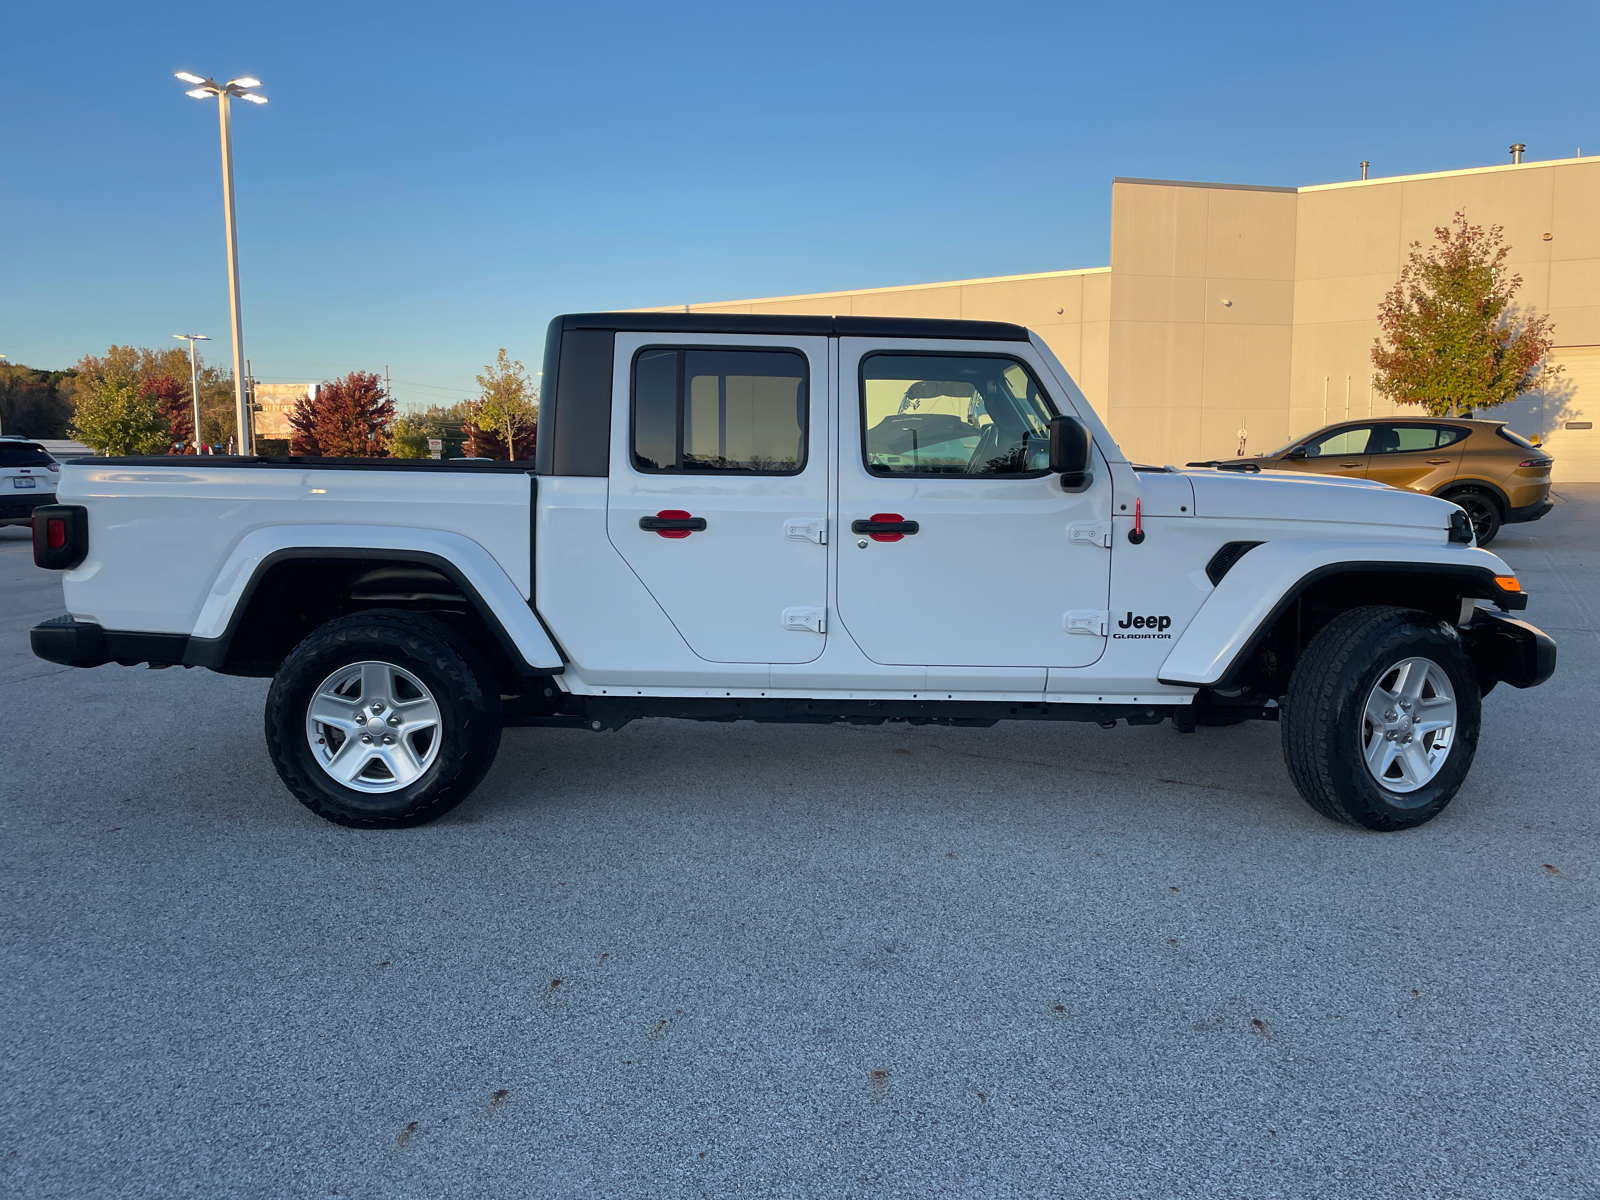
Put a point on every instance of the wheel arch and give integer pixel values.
(1468, 483)
(285, 593)
(1249, 634)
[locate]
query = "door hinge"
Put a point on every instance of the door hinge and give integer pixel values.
(1087, 621)
(803, 619)
(801, 529)
(1095, 533)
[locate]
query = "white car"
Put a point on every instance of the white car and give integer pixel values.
(814, 519)
(27, 479)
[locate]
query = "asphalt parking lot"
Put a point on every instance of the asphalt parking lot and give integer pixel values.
(733, 961)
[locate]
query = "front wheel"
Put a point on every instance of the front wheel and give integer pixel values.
(383, 720)
(1381, 720)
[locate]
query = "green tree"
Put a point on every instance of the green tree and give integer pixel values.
(140, 363)
(509, 406)
(34, 402)
(113, 417)
(1452, 338)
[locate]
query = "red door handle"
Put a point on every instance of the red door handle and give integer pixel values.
(885, 527)
(672, 523)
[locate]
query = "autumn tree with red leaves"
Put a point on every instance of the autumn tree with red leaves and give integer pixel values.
(172, 396)
(1452, 340)
(348, 418)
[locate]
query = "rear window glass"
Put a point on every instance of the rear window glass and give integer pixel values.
(720, 410)
(23, 454)
(1409, 439)
(1516, 439)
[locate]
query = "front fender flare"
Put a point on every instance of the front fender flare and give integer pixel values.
(472, 568)
(1267, 579)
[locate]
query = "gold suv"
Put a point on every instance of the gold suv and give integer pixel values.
(1497, 476)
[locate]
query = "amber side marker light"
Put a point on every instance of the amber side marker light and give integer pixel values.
(1507, 583)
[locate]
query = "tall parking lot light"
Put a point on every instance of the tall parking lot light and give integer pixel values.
(194, 381)
(224, 92)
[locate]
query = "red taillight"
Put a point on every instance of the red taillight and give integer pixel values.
(1534, 462)
(55, 533)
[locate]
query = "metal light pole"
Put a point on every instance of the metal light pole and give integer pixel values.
(194, 381)
(224, 92)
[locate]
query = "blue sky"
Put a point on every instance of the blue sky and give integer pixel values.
(429, 183)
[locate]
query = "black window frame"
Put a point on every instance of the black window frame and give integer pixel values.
(904, 352)
(682, 348)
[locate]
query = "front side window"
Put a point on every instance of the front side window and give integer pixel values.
(1341, 442)
(952, 414)
(720, 410)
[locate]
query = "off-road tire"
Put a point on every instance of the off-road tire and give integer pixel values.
(1322, 722)
(1482, 509)
(462, 685)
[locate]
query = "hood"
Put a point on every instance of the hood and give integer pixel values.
(1292, 496)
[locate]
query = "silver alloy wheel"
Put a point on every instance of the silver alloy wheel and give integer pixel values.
(1409, 724)
(373, 727)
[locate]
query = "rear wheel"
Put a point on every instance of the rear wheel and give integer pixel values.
(1381, 720)
(383, 720)
(1482, 510)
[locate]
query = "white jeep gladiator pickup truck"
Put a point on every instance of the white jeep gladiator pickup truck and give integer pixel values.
(793, 518)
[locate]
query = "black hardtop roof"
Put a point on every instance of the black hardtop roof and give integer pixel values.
(794, 325)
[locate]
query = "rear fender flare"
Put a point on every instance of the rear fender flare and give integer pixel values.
(467, 564)
(1270, 577)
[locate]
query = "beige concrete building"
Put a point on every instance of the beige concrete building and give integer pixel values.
(1234, 312)
(276, 401)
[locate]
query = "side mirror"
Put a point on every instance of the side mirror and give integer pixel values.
(1069, 451)
(1297, 452)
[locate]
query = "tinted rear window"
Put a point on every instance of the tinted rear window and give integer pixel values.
(1412, 439)
(1516, 439)
(23, 454)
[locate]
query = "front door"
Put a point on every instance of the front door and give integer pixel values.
(1342, 451)
(719, 489)
(958, 547)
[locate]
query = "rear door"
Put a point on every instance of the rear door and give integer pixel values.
(1415, 454)
(957, 546)
(718, 495)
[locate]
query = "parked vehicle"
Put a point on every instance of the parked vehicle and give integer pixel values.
(1495, 474)
(813, 519)
(27, 479)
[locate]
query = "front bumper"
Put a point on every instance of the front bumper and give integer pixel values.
(14, 506)
(1506, 650)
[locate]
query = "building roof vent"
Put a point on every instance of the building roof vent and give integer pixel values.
(1516, 151)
